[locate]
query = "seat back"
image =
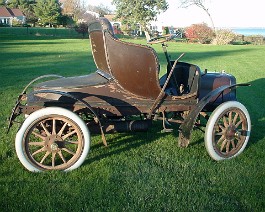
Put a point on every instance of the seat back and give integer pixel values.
(135, 67)
(95, 30)
(186, 76)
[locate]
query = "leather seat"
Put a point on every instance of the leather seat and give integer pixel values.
(134, 67)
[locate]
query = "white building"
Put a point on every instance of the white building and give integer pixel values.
(7, 16)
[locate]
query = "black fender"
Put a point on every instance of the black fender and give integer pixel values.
(186, 127)
(14, 112)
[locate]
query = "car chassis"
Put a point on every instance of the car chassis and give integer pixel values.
(126, 94)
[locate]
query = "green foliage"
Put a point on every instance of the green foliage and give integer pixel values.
(35, 32)
(138, 171)
(27, 7)
(66, 21)
(2, 3)
(223, 37)
(4, 25)
(82, 28)
(199, 33)
(133, 12)
(48, 12)
(16, 22)
(254, 39)
(13, 3)
(166, 31)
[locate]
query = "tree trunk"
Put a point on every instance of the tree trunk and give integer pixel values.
(213, 27)
(147, 35)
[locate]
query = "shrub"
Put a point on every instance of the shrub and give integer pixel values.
(165, 31)
(254, 39)
(223, 37)
(199, 33)
(16, 22)
(82, 28)
(4, 25)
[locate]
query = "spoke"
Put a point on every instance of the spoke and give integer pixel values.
(36, 143)
(225, 121)
(228, 146)
(221, 139)
(54, 126)
(235, 118)
(53, 158)
(69, 134)
(239, 139)
(44, 157)
(238, 123)
(61, 156)
(223, 145)
(230, 117)
(38, 151)
(222, 127)
(233, 144)
(62, 129)
(69, 151)
(71, 142)
(219, 133)
(38, 135)
(45, 129)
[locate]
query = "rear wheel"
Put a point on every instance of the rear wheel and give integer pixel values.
(227, 130)
(52, 139)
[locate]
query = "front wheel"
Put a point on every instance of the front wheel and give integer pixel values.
(52, 138)
(227, 131)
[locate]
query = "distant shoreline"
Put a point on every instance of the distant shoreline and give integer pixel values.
(248, 31)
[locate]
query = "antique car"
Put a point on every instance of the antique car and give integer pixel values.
(126, 94)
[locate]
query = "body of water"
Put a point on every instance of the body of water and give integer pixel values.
(249, 31)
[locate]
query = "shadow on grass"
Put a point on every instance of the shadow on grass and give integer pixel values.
(253, 98)
(123, 142)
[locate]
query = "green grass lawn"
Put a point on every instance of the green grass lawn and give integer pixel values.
(136, 172)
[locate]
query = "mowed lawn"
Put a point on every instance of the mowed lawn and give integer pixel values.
(136, 172)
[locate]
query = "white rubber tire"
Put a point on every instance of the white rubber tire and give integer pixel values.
(208, 138)
(51, 111)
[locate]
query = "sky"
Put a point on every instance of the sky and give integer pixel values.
(225, 13)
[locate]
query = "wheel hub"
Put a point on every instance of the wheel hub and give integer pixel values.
(53, 143)
(54, 147)
(231, 132)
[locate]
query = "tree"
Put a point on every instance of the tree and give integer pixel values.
(82, 28)
(2, 3)
(48, 11)
(100, 9)
(199, 3)
(13, 3)
(199, 33)
(71, 7)
(27, 7)
(139, 11)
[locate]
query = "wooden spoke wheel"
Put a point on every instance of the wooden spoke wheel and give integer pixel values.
(52, 139)
(227, 131)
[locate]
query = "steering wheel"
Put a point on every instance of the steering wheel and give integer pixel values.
(161, 39)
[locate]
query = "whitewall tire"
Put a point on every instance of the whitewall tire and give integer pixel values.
(52, 138)
(227, 131)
